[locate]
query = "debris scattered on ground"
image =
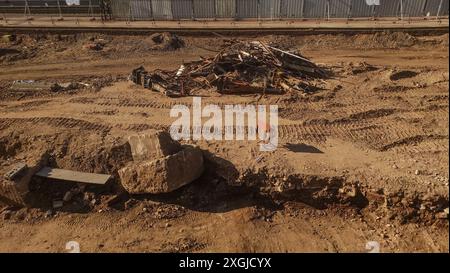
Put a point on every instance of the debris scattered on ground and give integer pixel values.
(175, 167)
(58, 87)
(31, 85)
(361, 67)
(95, 44)
(242, 67)
(166, 41)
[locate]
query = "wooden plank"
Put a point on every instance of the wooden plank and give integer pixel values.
(61, 174)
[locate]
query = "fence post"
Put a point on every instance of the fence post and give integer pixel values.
(27, 12)
(328, 10)
(235, 9)
(439, 10)
(303, 9)
(215, 10)
(130, 12)
(151, 11)
(372, 11)
(91, 11)
(349, 12)
(59, 11)
(401, 10)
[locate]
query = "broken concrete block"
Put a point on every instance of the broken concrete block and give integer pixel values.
(165, 174)
(15, 171)
(149, 146)
(13, 191)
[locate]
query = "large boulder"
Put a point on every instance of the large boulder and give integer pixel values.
(149, 146)
(165, 174)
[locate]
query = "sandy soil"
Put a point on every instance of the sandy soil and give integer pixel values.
(379, 128)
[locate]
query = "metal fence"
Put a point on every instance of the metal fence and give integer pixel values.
(274, 9)
(91, 8)
(231, 9)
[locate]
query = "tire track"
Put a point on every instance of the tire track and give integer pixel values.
(121, 102)
(412, 140)
(374, 136)
(68, 123)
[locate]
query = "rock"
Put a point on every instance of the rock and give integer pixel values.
(443, 214)
(130, 203)
(88, 197)
(417, 172)
(13, 191)
(113, 200)
(6, 215)
(165, 174)
(93, 46)
(48, 214)
(8, 38)
(149, 146)
(68, 196)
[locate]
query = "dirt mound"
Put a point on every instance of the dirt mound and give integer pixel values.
(385, 40)
(443, 39)
(389, 40)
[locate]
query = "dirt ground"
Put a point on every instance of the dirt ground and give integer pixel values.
(364, 158)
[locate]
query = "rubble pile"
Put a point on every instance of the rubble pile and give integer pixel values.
(242, 67)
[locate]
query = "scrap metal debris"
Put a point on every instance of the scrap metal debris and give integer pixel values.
(29, 85)
(242, 67)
